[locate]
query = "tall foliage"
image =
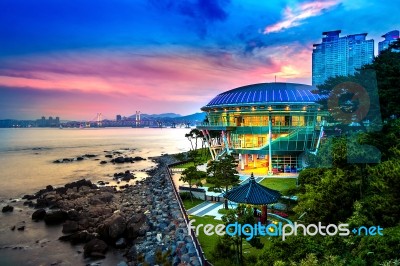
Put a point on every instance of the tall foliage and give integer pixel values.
(223, 173)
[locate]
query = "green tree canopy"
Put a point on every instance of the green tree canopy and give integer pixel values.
(223, 173)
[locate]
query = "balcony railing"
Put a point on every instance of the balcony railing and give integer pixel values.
(256, 124)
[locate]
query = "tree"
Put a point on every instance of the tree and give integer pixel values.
(189, 175)
(241, 215)
(189, 137)
(223, 174)
(193, 157)
(196, 134)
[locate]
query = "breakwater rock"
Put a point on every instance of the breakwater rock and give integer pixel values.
(143, 220)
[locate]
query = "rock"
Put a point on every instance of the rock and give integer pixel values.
(55, 217)
(95, 248)
(137, 158)
(122, 263)
(21, 228)
(108, 156)
(78, 238)
(29, 197)
(185, 258)
(41, 203)
(12, 228)
(101, 198)
(73, 215)
(89, 155)
(118, 160)
(150, 257)
(176, 261)
(70, 227)
(39, 214)
(139, 217)
(80, 183)
(7, 208)
(103, 162)
(79, 158)
(28, 203)
(112, 228)
(120, 243)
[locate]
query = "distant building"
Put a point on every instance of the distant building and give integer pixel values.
(340, 56)
(49, 122)
(119, 118)
(390, 37)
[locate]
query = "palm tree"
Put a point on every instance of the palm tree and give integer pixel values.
(189, 137)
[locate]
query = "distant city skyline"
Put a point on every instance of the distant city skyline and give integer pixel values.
(77, 59)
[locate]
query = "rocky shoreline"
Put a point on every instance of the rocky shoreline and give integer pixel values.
(144, 220)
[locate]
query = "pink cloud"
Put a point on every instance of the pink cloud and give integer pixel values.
(293, 17)
(151, 80)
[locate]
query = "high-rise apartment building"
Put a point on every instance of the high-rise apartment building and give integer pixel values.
(390, 37)
(340, 56)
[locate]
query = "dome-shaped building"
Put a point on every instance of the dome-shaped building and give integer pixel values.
(272, 121)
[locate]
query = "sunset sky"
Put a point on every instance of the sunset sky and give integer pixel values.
(74, 58)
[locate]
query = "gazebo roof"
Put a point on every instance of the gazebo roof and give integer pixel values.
(253, 193)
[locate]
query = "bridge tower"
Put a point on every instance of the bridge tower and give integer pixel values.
(137, 120)
(99, 120)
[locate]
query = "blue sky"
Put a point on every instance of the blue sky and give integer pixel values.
(74, 59)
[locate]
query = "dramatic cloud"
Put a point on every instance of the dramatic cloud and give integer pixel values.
(74, 59)
(293, 17)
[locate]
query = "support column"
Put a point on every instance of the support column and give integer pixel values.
(241, 159)
(269, 146)
(264, 214)
(246, 159)
(254, 160)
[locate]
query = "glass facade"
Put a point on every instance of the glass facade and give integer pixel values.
(340, 56)
(285, 127)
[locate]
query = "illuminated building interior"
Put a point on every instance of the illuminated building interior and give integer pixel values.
(263, 121)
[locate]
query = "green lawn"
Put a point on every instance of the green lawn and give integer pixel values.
(188, 204)
(208, 242)
(202, 157)
(280, 184)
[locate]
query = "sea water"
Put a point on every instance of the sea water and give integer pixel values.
(26, 165)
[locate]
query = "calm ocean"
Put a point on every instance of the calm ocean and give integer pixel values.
(26, 165)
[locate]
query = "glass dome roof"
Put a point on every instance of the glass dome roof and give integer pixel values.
(264, 93)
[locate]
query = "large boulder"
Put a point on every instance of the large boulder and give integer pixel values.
(55, 217)
(78, 238)
(134, 226)
(105, 197)
(95, 248)
(70, 227)
(7, 208)
(39, 215)
(112, 228)
(118, 160)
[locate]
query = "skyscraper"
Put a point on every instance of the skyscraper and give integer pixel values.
(340, 56)
(390, 37)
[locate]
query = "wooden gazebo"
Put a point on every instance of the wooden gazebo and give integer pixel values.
(255, 194)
